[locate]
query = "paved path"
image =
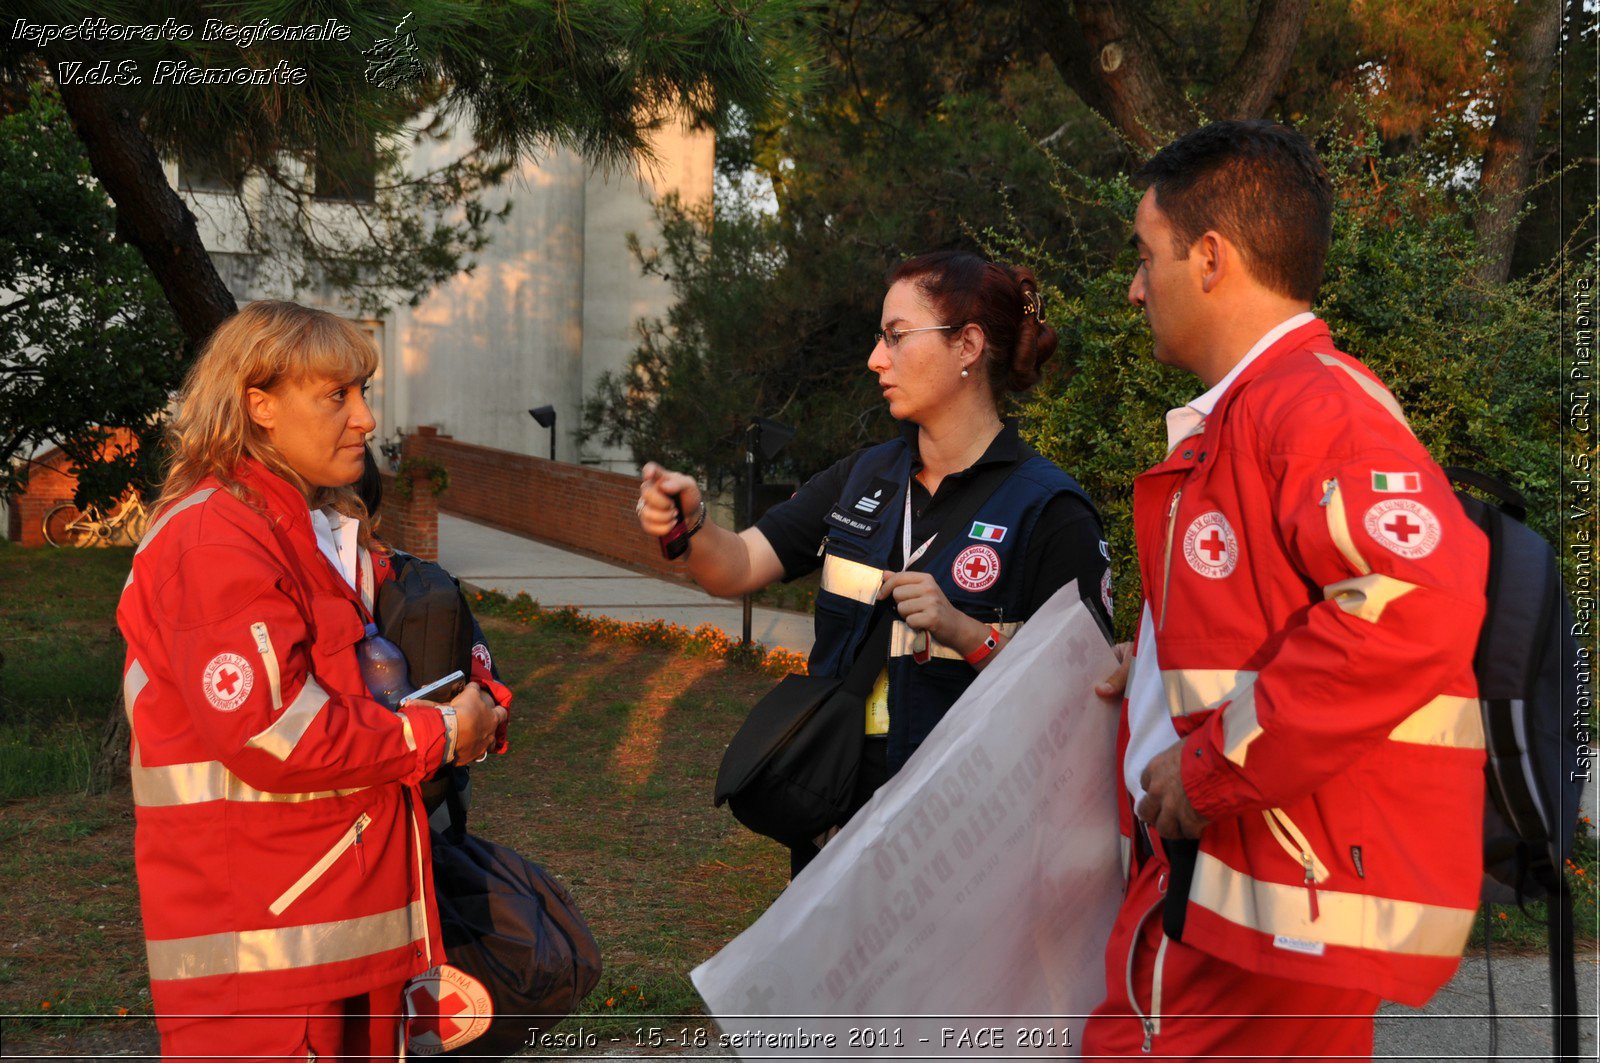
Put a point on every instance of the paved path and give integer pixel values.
(555, 577)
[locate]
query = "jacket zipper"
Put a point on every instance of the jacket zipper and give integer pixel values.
(269, 661)
(1294, 843)
(1152, 1022)
(422, 882)
(1166, 572)
(351, 837)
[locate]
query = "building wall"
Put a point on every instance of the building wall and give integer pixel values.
(551, 304)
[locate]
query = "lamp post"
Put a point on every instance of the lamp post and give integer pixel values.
(764, 437)
(546, 416)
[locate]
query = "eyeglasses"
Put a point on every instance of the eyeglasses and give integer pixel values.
(890, 337)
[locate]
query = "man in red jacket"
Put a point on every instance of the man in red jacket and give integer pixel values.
(1301, 746)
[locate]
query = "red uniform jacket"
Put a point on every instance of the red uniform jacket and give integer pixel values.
(281, 849)
(1317, 593)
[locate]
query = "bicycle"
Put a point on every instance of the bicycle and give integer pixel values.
(66, 525)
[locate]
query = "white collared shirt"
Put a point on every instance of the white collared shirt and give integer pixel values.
(1150, 727)
(1185, 421)
(336, 538)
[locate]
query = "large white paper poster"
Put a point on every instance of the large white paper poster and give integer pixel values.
(964, 912)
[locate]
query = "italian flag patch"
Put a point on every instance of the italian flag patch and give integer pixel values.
(1391, 483)
(989, 533)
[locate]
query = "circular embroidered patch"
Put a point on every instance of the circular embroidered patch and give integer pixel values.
(445, 1008)
(1105, 591)
(227, 681)
(976, 568)
(1407, 527)
(1210, 546)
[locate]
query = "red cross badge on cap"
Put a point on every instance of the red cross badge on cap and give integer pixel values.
(445, 1008)
(976, 568)
(1210, 546)
(1405, 526)
(227, 681)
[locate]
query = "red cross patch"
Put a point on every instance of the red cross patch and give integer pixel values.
(445, 1008)
(227, 681)
(1405, 526)
(976, 568)
(1210, 546)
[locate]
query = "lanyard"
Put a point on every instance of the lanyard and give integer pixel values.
(910, 557)
(919, 642)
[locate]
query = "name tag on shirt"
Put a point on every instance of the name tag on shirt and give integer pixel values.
(848, 521)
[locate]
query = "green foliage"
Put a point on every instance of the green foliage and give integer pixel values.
(913, 130)
(412, 468)
(86, 340)
(1477, 370)
(339, 168)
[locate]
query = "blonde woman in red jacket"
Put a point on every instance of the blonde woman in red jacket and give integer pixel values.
(281, 848)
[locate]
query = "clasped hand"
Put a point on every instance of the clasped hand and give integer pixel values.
(923, 607)
(478, 720)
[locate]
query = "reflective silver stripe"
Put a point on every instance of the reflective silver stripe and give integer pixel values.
(1367, 596)
(1198, 689)
(851, 579)
(286, 731)
(1379, 394)
(133, 683)
(902, 634)
(1339, 527)
(172, 511)
(285, 949)
(1346, 920)
(269, 661)
(1447, 720)
(1239, 725)
(207, 780)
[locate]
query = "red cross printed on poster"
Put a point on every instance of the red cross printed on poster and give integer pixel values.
(1210, 546)
(976, 568)
(445, 1009)
(227, 681)
(1405, 526)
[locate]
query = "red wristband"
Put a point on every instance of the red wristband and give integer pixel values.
(990, 643)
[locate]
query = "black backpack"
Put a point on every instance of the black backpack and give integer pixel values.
(513, 927)
(1528, 666)
(422, 611)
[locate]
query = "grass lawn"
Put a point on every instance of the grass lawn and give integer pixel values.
(615, 744)
(608, 785)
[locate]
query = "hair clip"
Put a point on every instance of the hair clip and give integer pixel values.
(1033, 303)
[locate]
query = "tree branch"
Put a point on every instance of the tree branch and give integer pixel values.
(150, 215)
(1261, 67)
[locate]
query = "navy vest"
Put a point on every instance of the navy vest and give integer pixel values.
(978, 567)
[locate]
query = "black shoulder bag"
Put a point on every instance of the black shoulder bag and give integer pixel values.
(790, 771)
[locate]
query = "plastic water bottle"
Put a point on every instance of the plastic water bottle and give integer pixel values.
(383, 668)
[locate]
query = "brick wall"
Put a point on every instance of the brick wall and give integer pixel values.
(566, 505)
(49, 485)
(410, 524)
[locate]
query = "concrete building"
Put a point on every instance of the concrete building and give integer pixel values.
(553, 302)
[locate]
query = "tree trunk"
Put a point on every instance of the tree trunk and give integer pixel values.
(150, 215)
(1104, 57)
(110, 768)
(1533, 37)
(1249, 88)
